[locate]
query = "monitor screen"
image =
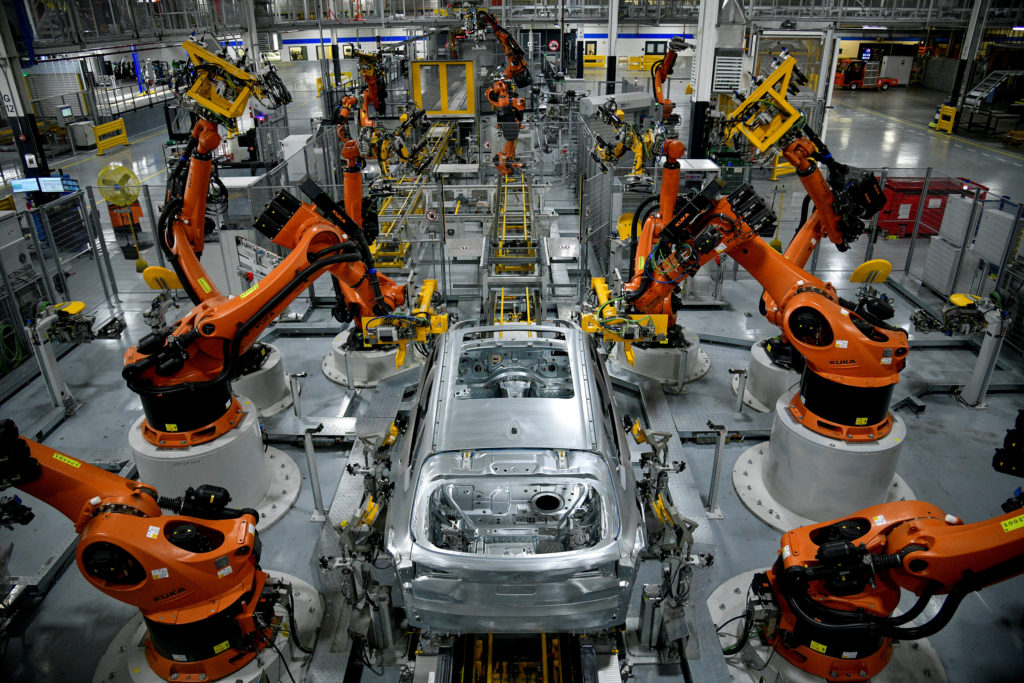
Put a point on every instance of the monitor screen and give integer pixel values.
(51, 185)
(70, 185)
(25, 185)
(66, 112)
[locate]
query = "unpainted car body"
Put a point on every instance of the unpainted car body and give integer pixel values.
(515, 507)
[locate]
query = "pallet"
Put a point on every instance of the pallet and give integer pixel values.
(1014, 137)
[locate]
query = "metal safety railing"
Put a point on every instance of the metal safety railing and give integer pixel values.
(51, 253)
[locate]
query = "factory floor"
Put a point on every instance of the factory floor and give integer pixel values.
(946, 458)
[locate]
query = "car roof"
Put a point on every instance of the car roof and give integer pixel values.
(513, 423)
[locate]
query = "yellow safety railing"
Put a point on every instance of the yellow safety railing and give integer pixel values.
(593, 61)
(110, 135)
(339, 79)
(781, 168)
(643, 63)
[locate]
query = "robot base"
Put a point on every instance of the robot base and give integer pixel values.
(262, 478)
(766, 381)
(799, 477)
(914, 660)
(672, 366)
(125, 659)
(367, 366)
(267, 387)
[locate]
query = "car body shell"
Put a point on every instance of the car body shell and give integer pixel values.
(515, 507)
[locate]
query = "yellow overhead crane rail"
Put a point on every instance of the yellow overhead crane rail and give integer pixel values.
(401, 329)
(622, 329)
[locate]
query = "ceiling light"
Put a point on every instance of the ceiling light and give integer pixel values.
(876, 28)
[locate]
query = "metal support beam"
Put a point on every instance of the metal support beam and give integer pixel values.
(613, 35)
(17, 106)
(975, 31)
(704, 68)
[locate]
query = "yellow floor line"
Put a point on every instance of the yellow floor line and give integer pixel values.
(152, 175)
(958, 138)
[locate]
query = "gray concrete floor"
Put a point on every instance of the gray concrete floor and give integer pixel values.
(945, 460)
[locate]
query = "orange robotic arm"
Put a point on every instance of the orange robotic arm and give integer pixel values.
(516, 69)
(660, 71)
(836, 584)
(852, 358)
(195, 578)
(183, 377)
(341, 117)
(373, 75)
(509, 112)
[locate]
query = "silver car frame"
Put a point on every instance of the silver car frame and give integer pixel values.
(515, 513)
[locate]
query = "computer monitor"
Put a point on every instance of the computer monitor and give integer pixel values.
(70, 184)
(66, 112)
(51, 185)
(25, 185)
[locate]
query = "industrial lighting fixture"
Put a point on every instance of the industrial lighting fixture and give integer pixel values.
(1018, 28)
(875, 28)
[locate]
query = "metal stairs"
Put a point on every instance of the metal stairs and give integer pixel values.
(979, 93)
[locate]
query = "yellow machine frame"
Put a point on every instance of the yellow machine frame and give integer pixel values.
(468, 76)
(205, 89)
(422, 312)
(769, 96)
(628, 333)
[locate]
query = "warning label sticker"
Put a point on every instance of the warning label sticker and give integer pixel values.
(1013, 524)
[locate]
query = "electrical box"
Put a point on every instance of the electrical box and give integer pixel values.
(898, 68)
(13, 245)
(82, 134)
(994, 233)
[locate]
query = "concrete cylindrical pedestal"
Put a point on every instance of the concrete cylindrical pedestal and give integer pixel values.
(766, 381)
(671, 365)
(913, 660)
(267, 387)
(366, 366)
(125, 660)
(256, 477)
(800, 477)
